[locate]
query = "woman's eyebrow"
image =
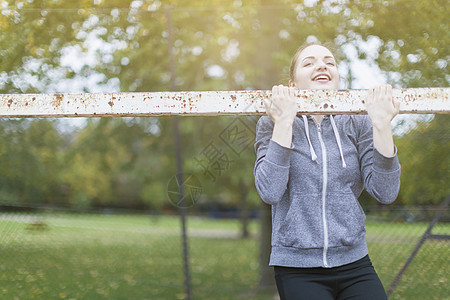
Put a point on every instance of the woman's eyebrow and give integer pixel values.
(308, 57)
(313, 57)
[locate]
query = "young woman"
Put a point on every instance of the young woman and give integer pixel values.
(311, 170)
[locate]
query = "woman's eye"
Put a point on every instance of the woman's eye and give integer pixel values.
(330, 64)
(307, 64)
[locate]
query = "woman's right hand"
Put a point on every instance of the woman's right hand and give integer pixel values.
(282, 106)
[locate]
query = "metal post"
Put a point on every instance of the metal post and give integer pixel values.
(179, 160)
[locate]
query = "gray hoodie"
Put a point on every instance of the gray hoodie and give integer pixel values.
(314, 186)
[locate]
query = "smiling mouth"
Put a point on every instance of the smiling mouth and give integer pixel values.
(322, 78)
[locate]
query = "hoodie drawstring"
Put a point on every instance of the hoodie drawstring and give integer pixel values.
(338, 140)
(336, 134)
(311, 149)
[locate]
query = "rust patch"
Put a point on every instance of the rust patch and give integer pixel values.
(111, 103)
(58, 99)
(10, 101)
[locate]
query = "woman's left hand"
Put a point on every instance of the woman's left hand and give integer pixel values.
(381, 107)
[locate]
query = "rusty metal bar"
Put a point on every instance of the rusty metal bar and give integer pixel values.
(209, 103)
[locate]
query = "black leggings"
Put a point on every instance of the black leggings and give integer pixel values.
(357, 280)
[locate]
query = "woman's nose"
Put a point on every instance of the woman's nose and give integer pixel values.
(321, 65)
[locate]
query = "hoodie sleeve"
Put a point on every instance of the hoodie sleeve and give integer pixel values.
(272, 163)
(381, 174)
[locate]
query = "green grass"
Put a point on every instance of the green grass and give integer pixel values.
(139, 257)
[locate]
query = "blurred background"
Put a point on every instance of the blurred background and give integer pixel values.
(86, 205)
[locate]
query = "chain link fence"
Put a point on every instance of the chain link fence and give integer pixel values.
(56, 252)
(72, 255)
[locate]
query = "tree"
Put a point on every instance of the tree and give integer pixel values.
(113, 162)
(30, 160)
(413, 39)
(425, 162)
(34, 36)
(217, 46)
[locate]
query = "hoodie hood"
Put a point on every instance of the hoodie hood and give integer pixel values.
(336, 135)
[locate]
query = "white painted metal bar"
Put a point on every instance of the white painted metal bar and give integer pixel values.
(209, 103)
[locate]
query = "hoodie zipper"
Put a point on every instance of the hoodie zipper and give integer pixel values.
(324, 193)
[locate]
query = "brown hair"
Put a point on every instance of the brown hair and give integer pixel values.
(327, 45)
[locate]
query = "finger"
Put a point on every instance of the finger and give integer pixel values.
(276, 96)
(370, 95)
(282, 90)
(377, 93)
(387, 92)
(291, 91)
(275, 91)
(382, 91)
(288, 93)
(388, 88)
(396, 104)
(267, 104)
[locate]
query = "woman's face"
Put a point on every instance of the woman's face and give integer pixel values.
(316, 68)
